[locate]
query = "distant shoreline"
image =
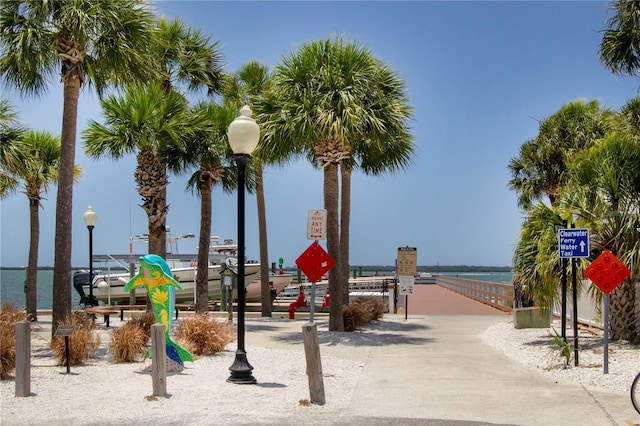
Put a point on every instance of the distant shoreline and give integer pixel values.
(446, 268)
(429, 269)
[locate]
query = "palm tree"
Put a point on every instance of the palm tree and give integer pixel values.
(604, 192)
(103, 43)
(328, 101)
(36, 169)
(536, 261)
(146, 121)
(541, 168)
(251, 82)
(620, 46)
(207, 149)
(11, 132)
(185, 57)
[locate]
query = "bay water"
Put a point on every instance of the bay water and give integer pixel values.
(12, 285)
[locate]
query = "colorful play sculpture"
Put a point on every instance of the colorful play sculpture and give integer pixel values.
(155, 275)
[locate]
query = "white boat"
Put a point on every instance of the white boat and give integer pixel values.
(277, 282)
(108, 286)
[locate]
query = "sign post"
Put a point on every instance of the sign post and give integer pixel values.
(314, 262)
(606, 272)
(407, 270)
(572, 243)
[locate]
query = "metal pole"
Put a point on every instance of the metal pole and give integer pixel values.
(563, 319)
(90, 228)
(241, 369)
(575, 310)
(606, 334)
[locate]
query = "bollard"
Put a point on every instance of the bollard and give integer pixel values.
(314, 364)
(158, 361)
(23, 358)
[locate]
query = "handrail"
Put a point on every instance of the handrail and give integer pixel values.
(499, 296)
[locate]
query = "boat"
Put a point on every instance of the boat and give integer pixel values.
(277, 282)
(108, 286)
(364, 286)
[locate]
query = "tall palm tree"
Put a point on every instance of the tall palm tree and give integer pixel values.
(77, 42)
(620, 47)
(144, 121)
(208, 150)
(35, 171)
(541, 167)
(249, 83)
(604, 192)
(185, 59)
(328, 100)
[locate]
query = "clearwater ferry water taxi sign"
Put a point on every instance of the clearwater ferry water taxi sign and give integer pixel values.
(573, 242)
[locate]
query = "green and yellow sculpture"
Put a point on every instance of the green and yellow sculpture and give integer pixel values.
(155, 275)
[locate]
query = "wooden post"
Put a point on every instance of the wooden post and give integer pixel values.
(158, 360)
(23, 358)
(314, 364)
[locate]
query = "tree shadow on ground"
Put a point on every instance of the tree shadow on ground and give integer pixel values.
(377, 333)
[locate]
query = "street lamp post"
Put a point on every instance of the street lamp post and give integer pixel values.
(90, 217)
(243, 134)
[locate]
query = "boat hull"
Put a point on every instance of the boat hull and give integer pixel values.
(278, 282)
(109, 288)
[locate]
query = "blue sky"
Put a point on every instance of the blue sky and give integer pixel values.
(480, 76)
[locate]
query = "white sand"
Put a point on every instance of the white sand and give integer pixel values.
(201, 394)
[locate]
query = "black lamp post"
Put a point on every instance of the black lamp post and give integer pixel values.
(90, 217)
(243, 134)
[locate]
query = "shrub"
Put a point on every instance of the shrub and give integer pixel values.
(83, 343)
(361, 311)
(129, 341)
(202, 335)
(145, 321)
(9, 316)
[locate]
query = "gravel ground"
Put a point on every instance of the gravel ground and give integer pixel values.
(535, 348)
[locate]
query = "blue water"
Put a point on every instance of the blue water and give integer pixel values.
(12, 285)
(12, 288)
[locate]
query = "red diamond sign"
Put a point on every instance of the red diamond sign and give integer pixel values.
(607, 272)
(314, 262)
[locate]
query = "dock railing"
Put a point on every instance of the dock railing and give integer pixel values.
(500, 296)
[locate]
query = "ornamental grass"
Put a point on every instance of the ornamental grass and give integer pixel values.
(129, 342)
(362, 311)
(9, 316)
(202, 335)
(144, 321)
(83, 342)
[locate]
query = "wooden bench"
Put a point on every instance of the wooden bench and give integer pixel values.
(101, 310)
(113, 310)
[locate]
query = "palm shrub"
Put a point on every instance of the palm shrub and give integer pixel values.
(202, 335)
(129, 341)
(362, 311)
(83, 343)
(9, 316)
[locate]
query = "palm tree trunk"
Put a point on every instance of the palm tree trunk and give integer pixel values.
(345, 216)
(32, 270)
(622, 314)
(64, 212)
(202, 276)
(265, 291)
(331, 195)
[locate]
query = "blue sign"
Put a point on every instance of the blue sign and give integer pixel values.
(573, 242)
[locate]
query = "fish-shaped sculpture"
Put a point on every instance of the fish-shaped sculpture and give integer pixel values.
(155, 275)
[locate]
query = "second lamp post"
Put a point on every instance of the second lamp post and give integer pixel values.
(90, 217)
(243, 134)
